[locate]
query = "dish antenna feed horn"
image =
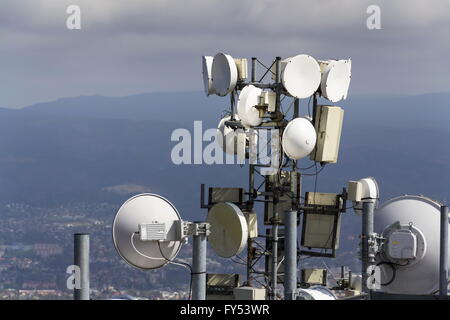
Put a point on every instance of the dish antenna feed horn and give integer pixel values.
(148, 233)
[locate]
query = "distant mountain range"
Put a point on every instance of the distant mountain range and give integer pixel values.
(104, 149)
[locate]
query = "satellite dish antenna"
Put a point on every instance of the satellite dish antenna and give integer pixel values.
(229, 230)
(316, 293)
(299, 138)
(227, 138)
(246, 110)
(411, 227)
(224, 74)
(336, 75)
(369, 192)
(301, 75)
(159, 219)
(207, 62)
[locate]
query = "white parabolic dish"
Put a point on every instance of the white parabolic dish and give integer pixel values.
(336, 77)
(248, 99)
(301, 75)
(229, 230)
(299, 138)
(424, 214)
(207, 62)
(224, 74)
(226, 137)
(141, 209)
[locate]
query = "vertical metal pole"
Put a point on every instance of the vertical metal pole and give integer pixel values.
(296, 108)
(253, 69)
(81, 259)
(250, 251)
(367, 230)
(443, 257)
(199, 267)
(290, 260)
(275, 218)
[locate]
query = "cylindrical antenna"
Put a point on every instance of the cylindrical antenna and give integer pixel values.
(290, 261)
(199, 267)
(81, 259)
(443, 257)
(367, 230)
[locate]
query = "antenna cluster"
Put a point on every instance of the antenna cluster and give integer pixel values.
(255, 105)
(400, 238)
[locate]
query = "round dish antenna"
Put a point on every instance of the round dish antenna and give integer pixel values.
(316, 293)
(409, 259)
(229, 230)
(336, 75)
(301, 75)
(299, 138)
(141, 219)
(246, 110)
(207, 62)
(224, 74)
(227, 138)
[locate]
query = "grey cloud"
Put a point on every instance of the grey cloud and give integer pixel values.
(133, 46)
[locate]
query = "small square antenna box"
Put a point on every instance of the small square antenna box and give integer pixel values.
(252, 222)
(328, 124)
(268, 98)
(313, 276)
(321, 231)
(322, 199)
(234, 195)
(354, 191)
(242, 67)
(249, 293)
(152, 231)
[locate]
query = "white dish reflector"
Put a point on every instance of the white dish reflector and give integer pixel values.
(301, 75)
(224, 74)
(423, 214)
(229, 230)
(207, 62)
(336, 75)
(248, 99)
(299, 138)
(227, 138)
(146, 208)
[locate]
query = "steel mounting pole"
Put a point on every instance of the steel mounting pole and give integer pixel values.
(290, 245)
(367, 230)
(81, 259)
(199, 261)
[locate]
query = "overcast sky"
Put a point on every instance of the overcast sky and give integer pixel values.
(134, 46)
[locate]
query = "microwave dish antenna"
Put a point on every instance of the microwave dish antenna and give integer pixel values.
(246, 107)
(410, 254)
(336, 75)
(224, 74)
(299, 138)
(229, 230)
(301, 75)
(158, 218)
(207, 62)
